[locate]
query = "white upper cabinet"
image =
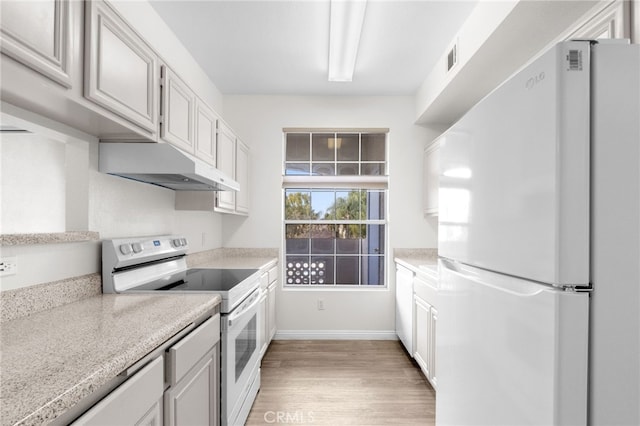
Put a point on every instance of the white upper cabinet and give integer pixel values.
(226, 163)
(430, 179)
(233, 160)
(38, 34)
(242, 177)
(121, 70)
(611, 22)
(205, 128)
(177, 125)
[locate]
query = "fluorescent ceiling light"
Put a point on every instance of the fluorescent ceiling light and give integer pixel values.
(347, 17)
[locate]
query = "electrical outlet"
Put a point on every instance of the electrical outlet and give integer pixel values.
(320, 304)
(8, 266)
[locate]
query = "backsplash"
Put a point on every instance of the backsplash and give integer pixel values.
(26, 301)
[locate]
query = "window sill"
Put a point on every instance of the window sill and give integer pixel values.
(368, 182)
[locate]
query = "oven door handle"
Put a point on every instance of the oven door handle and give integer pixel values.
(251, 302)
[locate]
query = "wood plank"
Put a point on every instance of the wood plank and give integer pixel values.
(340, 382)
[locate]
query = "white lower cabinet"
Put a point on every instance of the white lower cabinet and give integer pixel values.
(180, 386)
(191, 401)
(263, 323)
(426, 317)
(138, 401)
(432, 348)
(193, 375)
(423, 341)
(267, 327)
(271, 304)
(404, 307)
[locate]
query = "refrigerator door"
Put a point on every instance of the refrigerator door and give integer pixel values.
(514, 181)
(509, 351)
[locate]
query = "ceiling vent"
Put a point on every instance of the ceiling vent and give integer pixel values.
(452, 56)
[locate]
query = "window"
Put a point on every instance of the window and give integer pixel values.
(335, 202)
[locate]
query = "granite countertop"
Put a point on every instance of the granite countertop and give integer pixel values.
(235, 259)
(52, 359)
(418, 260)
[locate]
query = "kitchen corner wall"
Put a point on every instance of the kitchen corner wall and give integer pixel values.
(111, 206)
(260, 120)
(116, 207)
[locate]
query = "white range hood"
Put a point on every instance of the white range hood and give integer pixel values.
(163, 165)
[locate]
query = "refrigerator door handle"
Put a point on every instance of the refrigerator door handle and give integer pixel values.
(503, 283)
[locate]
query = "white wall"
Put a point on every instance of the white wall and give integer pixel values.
(112, 206)
(259, 121)
(144, 18)
(35, 199)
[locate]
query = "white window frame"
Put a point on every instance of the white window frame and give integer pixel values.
(337, 182)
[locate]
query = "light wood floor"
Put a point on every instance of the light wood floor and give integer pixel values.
(341, 383)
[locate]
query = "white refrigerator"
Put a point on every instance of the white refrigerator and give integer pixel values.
(539, 244)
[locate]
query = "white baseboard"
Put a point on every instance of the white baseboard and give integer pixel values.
(335, 335)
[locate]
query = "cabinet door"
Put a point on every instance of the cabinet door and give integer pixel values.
(431, 179)
(422, 347)
(206, 121)
(120, 69)
(612, 22)
(242, 176)
(194, 400)
(271, 312)
(136, 401)
(178, 108)
(404, 307)
(226, 163)
(263, 324)
(432, 342)
(38, 34)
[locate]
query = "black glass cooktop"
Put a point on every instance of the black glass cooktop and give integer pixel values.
(200, 280)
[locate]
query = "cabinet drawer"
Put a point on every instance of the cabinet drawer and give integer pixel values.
(182, 356)
(136, 398)
(264, 281)
(273, 274)
(426, 289)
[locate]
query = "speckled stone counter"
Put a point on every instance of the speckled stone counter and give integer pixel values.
(231, 258)
(51, 360)
(49, 238)
(416, 259)
(26, 301)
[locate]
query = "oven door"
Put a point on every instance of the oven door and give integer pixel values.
(240, 356)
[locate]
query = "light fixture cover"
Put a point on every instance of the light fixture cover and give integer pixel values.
(347, 17)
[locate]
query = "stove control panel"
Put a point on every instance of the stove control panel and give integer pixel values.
(122, 252)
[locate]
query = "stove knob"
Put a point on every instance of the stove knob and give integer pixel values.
(176, 242)
(125, 249)
(137, 247)
(183, 241)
